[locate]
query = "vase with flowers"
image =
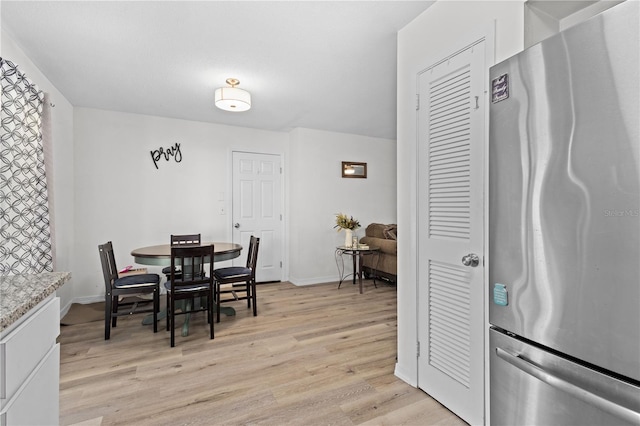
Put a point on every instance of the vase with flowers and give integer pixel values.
(348, 224)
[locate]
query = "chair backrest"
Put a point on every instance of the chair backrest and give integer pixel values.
(191, 260)
(109, 268)
(252, 255)
(186, 239)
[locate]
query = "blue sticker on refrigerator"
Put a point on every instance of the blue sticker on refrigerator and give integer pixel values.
(500, 295)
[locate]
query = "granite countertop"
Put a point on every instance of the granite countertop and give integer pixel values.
(20, 293)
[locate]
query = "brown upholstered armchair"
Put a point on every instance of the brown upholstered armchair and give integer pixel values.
(383, 236)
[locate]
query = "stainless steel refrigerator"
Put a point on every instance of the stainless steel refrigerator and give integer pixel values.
(564, 227)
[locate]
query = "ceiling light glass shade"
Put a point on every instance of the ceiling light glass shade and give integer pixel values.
(233, 99)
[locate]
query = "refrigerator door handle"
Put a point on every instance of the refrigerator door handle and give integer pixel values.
(568, 387)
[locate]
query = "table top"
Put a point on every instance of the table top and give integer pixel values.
(358, 249)
(160, 255)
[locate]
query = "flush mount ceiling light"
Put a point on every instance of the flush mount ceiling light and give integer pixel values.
(232, 98)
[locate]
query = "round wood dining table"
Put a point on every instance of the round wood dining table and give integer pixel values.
(160, 255)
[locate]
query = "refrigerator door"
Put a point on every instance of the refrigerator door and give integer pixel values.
(558, 391)
(564, 160)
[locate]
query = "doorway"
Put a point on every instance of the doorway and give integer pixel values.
(451, 144)
(257, 210)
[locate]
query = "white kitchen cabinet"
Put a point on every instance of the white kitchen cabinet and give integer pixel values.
(30, 367)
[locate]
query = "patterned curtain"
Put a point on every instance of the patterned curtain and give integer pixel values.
(25, 240)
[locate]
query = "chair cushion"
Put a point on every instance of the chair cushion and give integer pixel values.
(140, 280)
(167, 270)
(232, 272)
(186, 288)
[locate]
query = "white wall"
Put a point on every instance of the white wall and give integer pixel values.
(317, 192)
(441, 30)
(62, 142)
(122, 197)
(107, 188)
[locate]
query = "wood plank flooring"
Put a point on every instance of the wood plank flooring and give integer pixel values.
(314, 355)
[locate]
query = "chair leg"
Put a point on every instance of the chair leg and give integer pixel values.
(210, 313)
(253, 296)
(107, 317)
(168, 312)
(172, 323)
(114, 310)
(217, 301)
(156, 309)
(248, 293)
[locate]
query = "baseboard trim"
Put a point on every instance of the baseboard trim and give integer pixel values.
(311, 281)
(405, 377)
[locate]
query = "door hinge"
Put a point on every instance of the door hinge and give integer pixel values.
(281, 218)
(280, 170)
(418, 349)
(281, 264)
(417, 101)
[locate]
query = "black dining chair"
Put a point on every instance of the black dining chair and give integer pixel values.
(235, 275)
(131, 285)
(192, 282)
(183, 239)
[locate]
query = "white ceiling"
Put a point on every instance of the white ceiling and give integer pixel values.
(328, 65)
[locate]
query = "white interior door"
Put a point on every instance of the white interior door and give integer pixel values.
(451, 138)
(257, 210)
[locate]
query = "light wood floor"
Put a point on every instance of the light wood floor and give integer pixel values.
(314, 355)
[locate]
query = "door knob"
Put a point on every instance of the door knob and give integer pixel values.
(236, 225)
(471, 259)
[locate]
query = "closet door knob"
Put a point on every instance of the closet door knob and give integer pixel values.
(471, 259)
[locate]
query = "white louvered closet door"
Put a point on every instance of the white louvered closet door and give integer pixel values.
(451, 140)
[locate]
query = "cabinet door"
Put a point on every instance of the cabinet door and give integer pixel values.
(37, 401)
(25, 346)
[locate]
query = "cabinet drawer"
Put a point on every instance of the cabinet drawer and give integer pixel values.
(25, 347)
(37, 401)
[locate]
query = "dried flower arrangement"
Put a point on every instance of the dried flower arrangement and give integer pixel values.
(346, 222)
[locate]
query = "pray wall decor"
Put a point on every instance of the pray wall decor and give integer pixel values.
(173, 151)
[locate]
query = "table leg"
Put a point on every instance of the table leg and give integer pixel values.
(339, 262)
(187, 317)
(360, 257)
(355, 270)
(148, 319)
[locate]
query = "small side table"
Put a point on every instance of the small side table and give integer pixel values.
(355, 253)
